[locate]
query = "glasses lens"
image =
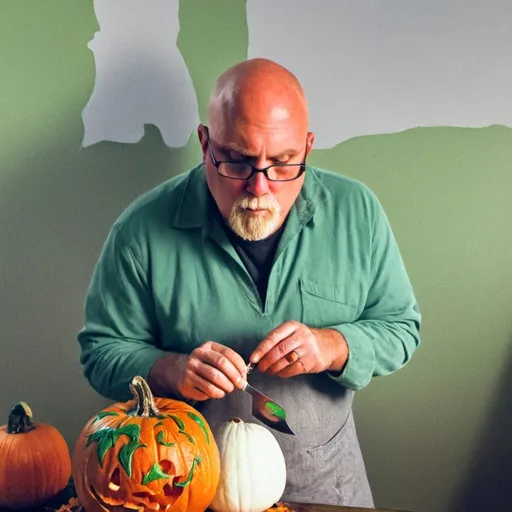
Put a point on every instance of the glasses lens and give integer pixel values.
(236, 170)
(284, 172)
(242, 171)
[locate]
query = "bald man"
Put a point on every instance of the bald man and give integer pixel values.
(255, 256)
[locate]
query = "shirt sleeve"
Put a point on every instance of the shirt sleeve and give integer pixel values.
(386, 334)
(119, 338)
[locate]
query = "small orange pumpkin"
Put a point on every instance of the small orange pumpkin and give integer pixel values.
(146, 454)
(35, 464)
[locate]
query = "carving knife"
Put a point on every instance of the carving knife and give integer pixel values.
(265, 409)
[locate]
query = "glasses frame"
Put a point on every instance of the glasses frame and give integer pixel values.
(254, 170)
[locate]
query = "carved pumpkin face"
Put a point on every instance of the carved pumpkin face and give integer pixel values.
(146, 454)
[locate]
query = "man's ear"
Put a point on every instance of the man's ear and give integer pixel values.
(310, 140)
(203, 140)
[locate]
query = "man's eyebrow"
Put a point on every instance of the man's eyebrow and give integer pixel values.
(233, 146)
(286, 152)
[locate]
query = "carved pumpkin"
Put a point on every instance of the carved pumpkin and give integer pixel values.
(146, 454)
(256, 483)
(34, 460)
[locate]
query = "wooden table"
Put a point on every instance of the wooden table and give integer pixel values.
(301, 507)
(296, 507)
(69, 492)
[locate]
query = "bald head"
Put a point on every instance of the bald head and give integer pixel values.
(258, 91)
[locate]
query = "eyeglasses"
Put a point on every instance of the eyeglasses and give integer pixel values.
(244, 171)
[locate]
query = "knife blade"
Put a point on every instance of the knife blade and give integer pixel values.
(265, 409)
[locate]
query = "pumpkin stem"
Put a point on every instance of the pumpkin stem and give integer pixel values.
(20, 419)
(144, 400)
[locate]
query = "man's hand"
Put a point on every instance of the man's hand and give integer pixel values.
(294, 348)
(210, 371)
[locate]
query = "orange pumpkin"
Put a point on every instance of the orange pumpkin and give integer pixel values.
(34, 460)
(146, 454)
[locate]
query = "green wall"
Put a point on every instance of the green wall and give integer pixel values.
(437, 435)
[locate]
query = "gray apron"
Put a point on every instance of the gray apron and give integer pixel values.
(323, 460)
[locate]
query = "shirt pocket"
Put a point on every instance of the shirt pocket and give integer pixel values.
(324, 304)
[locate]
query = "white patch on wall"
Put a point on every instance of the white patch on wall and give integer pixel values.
(141, 77)
(371, 66)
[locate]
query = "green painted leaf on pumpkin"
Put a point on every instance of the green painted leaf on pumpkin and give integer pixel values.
(108, 437)
(105, 440)
(178, 421)
(102, 415)
(200, 422)
(160, 439)
(197, 461)
(181, 426)
(190, 438)
(155, 473)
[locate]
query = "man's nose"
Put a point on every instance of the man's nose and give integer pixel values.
(257, 185)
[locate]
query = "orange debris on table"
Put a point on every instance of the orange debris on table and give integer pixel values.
(72, 505)
(279, 507)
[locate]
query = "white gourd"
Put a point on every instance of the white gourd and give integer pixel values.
(252, 468)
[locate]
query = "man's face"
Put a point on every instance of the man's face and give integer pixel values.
(254, 208)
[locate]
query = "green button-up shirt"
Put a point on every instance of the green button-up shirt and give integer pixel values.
(168, 279)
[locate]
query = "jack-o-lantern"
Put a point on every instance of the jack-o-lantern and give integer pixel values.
(146, 454)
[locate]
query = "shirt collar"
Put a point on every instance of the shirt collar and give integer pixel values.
(196, 209)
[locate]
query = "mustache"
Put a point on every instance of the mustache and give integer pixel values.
(256, 203)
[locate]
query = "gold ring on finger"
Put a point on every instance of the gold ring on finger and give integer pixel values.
(292, 356)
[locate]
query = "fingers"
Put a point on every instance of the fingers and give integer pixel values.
(201, 382)
(225, 360)
(200, 386)
(212, 371)
(235, 359)
(194, 393)
(276, 345)
(282, 355)
(212, 375)
(292, 370)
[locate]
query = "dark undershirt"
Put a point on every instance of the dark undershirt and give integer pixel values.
(257, 256)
